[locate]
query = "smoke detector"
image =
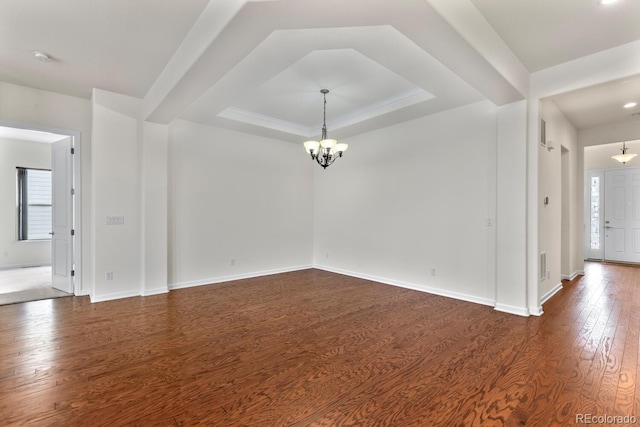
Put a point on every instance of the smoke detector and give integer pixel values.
(41, 56)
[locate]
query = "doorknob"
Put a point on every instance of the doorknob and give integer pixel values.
(51, 234)
(608, 226)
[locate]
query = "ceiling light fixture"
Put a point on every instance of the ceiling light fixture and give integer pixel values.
(606, 2)
(326, 151)
(630, 105)
(624, 157)
(41, 56)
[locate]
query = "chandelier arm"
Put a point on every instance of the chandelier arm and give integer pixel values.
(326, 159)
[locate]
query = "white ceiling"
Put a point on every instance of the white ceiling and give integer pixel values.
(116, 45)
(29, 135)
(258, 66)
(601, 105)
(544, 33)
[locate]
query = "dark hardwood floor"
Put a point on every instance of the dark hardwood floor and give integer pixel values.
(320, 349)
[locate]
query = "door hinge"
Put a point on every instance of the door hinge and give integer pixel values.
(73, 150)
(73, 191)
(73, 273)
(73, 232)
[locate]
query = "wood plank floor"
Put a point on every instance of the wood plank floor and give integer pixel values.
(312, 348)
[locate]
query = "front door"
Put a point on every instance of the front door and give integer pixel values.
(62, 203)
(622, 215)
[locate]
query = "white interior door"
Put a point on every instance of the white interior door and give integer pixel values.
(622, 215)
(62, 203)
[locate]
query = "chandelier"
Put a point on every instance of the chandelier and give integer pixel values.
(326, 151)
(624, 157)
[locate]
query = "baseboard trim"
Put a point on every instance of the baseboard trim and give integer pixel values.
(536, 311)
(222, 279)
(512, 309)
(114, 296)
(408, 285)
(557, 288)
(156, 291)
(572, 276)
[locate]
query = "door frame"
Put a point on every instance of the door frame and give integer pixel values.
(588, 252)
(76, 213)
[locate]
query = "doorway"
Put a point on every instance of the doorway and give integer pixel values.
(39, 275)
(613, 215)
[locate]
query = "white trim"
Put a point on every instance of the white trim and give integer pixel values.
(536, 311)
(407, 99)
(256, 119)
(546, 297)
(573, 275)
(110, 297)
(512, 309)
(394, 103)
(412, 286)
(156, 291)
(230, 278)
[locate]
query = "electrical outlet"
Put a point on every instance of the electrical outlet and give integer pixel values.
(108, 275)
(327, 255)
(433, 271)
(233, 261)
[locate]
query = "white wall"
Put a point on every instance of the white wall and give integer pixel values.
(414, 197)
(559, 133)
(115, 192)
(236, 197)
(511, 221)
(599, 156)
(14, 253)
(154, 209)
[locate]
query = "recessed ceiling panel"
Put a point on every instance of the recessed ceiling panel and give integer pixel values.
(371, 72)
(358, 86)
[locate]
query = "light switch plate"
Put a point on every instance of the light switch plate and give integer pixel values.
(115, 220)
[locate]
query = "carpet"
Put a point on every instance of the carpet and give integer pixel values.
(27, 284)
(31, 295)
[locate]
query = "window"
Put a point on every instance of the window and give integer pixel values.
(595, 212)
(34, 204)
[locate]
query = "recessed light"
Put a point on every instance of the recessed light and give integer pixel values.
(606, 2)
(630, 104)
(41, 56)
